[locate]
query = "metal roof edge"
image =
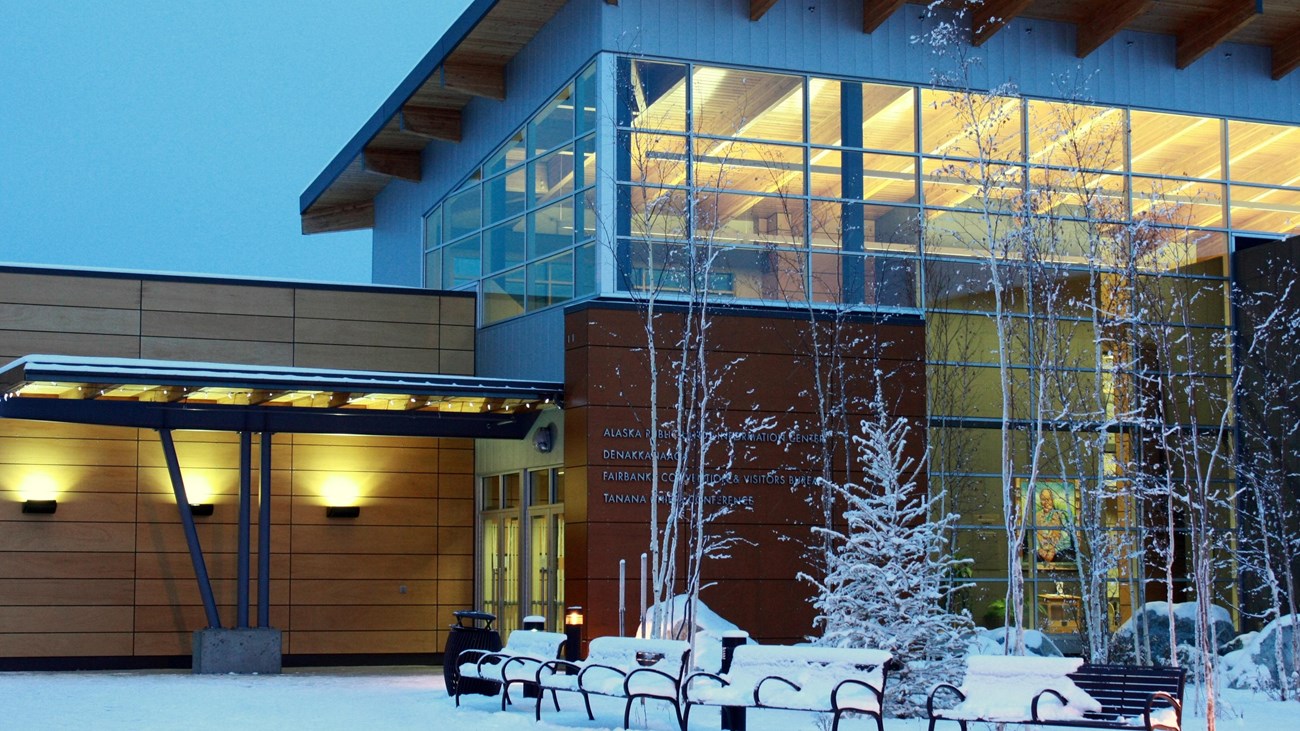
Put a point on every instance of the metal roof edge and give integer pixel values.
(42, 367)
(454, 35)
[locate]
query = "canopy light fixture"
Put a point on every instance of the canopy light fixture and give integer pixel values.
(342, 511)
(40, 507)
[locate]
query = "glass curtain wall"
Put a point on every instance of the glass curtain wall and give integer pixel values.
(520, 230)
(1108, 228)
(797, 183)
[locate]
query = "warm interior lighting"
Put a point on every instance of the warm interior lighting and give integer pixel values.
(573, 617)
(40, 507)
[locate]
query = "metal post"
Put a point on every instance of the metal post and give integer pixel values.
(245, 497)
(733, 717)
(535, 623)
(645, 628)
(264, 533)
(191, 535)
(622, 597)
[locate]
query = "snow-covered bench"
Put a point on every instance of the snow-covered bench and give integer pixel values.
(517, 662)
(834, 680)
(1063, 691)
(621, 667)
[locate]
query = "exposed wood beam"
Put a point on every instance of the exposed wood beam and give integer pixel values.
(1107, 19)
(1286, 56)
(992, 16)
(876, 12)
(256, 397)
(350, 217)
(1228, 18)
(757, 8)
(431, 122)
(485, 80)
(88, 391)
(404, 164)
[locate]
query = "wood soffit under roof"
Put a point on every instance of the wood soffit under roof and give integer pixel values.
(471, 58)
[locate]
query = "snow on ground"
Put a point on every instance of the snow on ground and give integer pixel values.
(396, 698)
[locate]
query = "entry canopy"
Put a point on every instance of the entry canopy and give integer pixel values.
(159, 394)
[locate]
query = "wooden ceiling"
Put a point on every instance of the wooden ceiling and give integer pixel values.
(470, 61)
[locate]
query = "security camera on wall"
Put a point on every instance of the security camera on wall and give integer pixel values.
(544, 438)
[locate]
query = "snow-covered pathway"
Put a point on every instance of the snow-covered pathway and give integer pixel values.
(384, 698)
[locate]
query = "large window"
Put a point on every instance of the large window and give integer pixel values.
(842, 192)
(520, 230)
(790, 179)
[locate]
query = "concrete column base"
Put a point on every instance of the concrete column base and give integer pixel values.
(223, 651)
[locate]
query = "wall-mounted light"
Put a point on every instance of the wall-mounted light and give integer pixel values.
(342, 511)
(544, 438)
(201, 509)
(40, 507)
(38, 486)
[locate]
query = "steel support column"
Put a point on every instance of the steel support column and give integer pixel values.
(264, 533)
(191, 535)
(245, 498)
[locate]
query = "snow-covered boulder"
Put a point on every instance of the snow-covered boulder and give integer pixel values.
(1253, 665)
(709, 629)
(1130, 634)
(990, 642)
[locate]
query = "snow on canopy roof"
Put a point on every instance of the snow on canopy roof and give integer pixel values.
(59, 368)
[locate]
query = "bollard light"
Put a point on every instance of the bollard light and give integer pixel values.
(573, 617)
(573, 634)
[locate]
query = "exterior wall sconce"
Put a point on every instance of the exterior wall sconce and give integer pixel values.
(573, 634)
(201, 509)
(544, 438)
(342, 511)
(40, 507)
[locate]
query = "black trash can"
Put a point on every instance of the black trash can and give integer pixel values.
(469, 636)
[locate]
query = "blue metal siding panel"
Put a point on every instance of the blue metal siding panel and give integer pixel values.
(825, 37)
(557, 52)
(499, 348)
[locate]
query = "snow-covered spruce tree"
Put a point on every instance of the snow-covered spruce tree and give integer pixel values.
(888, 572)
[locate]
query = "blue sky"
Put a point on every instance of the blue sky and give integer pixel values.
(177, 136)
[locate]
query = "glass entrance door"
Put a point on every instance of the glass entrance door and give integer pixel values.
(522, 570)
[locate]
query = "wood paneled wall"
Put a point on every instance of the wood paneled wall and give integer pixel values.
(196, 319)
(109, 574)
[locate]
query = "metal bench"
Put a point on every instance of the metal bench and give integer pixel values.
(620, 667)
(516, 663)
(831, 680)
(1064, 692)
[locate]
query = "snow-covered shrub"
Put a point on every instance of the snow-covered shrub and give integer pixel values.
(887, 573)
(1130, 635)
